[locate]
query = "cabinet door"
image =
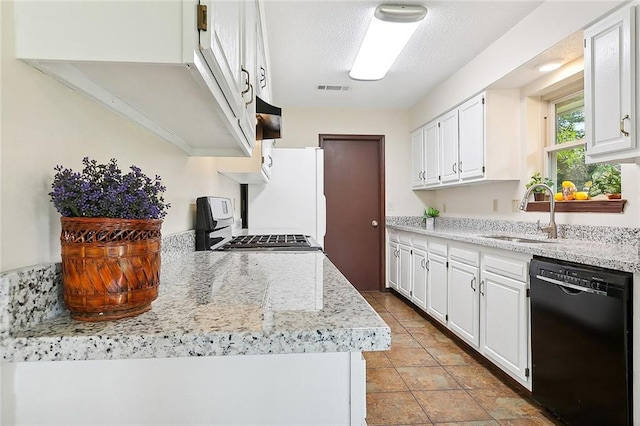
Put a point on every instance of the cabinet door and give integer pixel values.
(419, 278)
(504, 319)
(449, 146)
(609, 97)
(437, 287)
(262, 77)
(471, 141)
(464, 304)
(392, 262)
(431, 159)
(417, 155)
(267, 159)
(248, 68)
(404, 270)
(222, 49)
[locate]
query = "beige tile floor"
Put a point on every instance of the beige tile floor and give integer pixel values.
(427, 378)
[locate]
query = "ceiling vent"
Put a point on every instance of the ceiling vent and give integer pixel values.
(333, 88)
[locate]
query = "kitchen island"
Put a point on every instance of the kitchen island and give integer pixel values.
(233, 338)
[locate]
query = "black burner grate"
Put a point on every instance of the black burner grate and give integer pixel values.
(266, 241)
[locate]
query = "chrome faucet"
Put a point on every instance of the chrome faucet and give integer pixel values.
(552, 229)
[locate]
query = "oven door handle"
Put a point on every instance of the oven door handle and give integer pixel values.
(571, 286)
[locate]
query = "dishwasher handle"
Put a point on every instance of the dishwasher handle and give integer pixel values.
(571, 286)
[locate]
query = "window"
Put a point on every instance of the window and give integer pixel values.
(566, 150)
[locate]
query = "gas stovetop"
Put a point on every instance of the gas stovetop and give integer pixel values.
(272, 242)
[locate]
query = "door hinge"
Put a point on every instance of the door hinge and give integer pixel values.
(482, 169)
(584, 43)
(411, 293)
(483, 100)
(446, 317)
(438, 124)
(447, 264)
(526, 372)
(528, 292)
(202, 17)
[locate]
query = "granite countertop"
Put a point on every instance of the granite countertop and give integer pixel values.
(620, 257)
(222, 303)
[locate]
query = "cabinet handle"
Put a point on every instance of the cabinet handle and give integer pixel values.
(481, 285)
(622, 130)
(246, 104)
(263, 78)
(473, 280)
(427, 263)
(245, 91)
(270, 161)
(460, 166)
(454, 167)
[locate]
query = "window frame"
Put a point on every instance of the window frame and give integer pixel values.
(550, 148)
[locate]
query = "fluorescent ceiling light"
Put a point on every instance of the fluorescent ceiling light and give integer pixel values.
(389, 31)
(550, 65)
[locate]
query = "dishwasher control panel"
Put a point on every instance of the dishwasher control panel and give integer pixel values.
(573, 277)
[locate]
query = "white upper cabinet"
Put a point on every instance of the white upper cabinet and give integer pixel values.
(417, 158)
(431, 159)
(471, 138)
(150, 63)
(425, 159)
(253, 170)
(477, 141)
(448, 125)
(610, 88)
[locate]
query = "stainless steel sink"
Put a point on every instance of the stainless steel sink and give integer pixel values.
(513, 239)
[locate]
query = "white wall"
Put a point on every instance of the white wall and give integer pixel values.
(302, 127)
(44, 124)
(534, 34)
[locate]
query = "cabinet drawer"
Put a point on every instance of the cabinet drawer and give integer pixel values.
(437, 247)
(470, 257)
(506, 266)
(394, 236)
(419, 242)
(405, 238)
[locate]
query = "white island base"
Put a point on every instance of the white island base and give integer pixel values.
(280, 389)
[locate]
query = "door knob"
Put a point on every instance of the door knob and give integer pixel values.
(374, 223)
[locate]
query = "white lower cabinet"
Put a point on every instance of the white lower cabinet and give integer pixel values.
(392, 260)
(419, 278)
(404, 270)
(479, 293)
(463, 300)
(504, 315)
(437, 281)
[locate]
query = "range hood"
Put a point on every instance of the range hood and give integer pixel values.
(269, 120)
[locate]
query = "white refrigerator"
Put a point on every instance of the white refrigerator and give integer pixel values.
(293, 201)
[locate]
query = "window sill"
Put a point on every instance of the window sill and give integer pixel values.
(587, 206)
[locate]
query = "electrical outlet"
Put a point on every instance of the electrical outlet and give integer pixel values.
(495, 205)
(515, 206)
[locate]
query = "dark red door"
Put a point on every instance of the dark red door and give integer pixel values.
(354, 188)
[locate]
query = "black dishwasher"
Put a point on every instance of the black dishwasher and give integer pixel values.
(581, 342)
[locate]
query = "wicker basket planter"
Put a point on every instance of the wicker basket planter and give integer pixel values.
(110, 267)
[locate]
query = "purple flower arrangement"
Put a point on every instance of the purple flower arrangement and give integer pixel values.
(101, 190)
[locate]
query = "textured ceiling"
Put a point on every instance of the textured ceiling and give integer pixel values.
(314, 43)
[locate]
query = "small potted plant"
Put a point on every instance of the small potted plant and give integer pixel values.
(110, 239)
(539, 194)
(429, 218)
(606, 180)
